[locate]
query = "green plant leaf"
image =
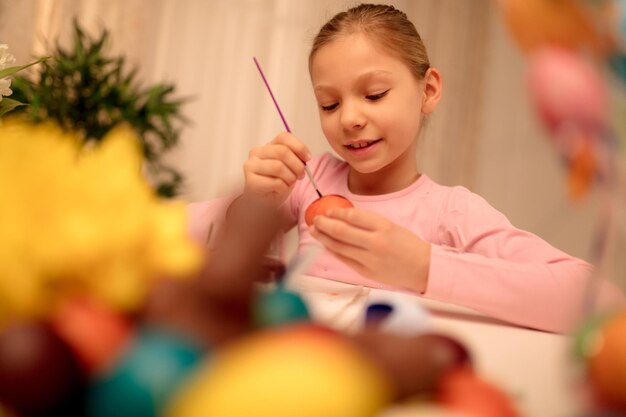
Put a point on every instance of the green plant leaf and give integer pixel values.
(84, 89)
(7, 104)
(12, 70)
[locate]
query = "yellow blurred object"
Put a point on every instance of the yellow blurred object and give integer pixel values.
(81, 220)
(567, 23)
(299, 370)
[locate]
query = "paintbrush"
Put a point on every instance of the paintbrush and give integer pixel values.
(306, 168)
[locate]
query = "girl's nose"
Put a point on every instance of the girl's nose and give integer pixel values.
(351, 116)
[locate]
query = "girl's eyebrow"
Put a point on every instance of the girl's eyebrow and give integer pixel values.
(360, 79)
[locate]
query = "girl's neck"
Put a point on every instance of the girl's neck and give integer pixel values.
(384, 181)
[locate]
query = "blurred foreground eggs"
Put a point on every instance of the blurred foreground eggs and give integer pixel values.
(39, 376)
(606, 364)
(299, 370)
(462, 390)
(145, 377)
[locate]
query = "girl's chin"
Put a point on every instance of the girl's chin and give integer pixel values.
(364, 168)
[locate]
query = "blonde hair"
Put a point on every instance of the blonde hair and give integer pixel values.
(382, 23)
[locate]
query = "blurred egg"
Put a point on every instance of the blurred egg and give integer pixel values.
(413, 364)
(299, 370)
(420, 409)
(458, 352)
(324, 203)
(617, 63)
(462, 390)
(587, 337)
(278, 306)
(145, 377)
(606, 367)
(566, 89)
(39, 376)
(537, 23)
(95, 333)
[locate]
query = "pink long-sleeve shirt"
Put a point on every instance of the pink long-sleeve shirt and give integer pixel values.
(478, 259)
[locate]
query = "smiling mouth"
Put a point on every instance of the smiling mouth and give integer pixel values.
(363, 144)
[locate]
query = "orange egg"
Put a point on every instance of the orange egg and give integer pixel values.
(607, 367)
(322, 204)
(95, 333)
(465, 392)
(535, 23)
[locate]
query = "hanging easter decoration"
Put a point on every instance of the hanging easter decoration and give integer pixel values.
(571, 100)
(534, 23)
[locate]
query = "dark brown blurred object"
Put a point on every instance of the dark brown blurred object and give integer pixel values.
(39, 376)
(214, 307)
(415, 364)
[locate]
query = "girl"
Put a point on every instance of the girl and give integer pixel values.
(374, 85)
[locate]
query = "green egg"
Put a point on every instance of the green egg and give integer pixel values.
(277, 307)
(143, 380)
(586, 337)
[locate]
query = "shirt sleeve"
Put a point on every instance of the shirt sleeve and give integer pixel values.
(205, 215)
(483, 262)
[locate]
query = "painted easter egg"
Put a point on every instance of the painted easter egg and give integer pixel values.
(324, 203)
(145, 377)
(39, 375)
(567, 89)
(464, 391)
(299, 370)
(606, 367)
(95, 333)
(414, 364)
(537, 23)
(278, 306)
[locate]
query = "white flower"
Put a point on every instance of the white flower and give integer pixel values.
(6, 58)
(5, 83)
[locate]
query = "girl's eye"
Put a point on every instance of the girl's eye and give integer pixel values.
(329, 107)
(374, 97)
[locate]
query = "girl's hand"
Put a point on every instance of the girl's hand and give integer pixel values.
(375, 247)
(272, 169)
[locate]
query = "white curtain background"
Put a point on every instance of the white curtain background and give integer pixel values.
(484, 135)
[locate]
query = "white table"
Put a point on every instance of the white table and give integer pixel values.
(534, 367)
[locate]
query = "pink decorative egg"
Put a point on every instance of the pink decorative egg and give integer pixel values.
(567, 89)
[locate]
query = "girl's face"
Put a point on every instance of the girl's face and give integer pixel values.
(370, 107)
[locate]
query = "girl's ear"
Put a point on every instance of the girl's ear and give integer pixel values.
(432, 90)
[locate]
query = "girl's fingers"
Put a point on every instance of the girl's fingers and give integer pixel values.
(340, 246)
(342, 231)
(293, 143)
(281, 153)
(350, 255)
(362, 219)
(273, 168)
